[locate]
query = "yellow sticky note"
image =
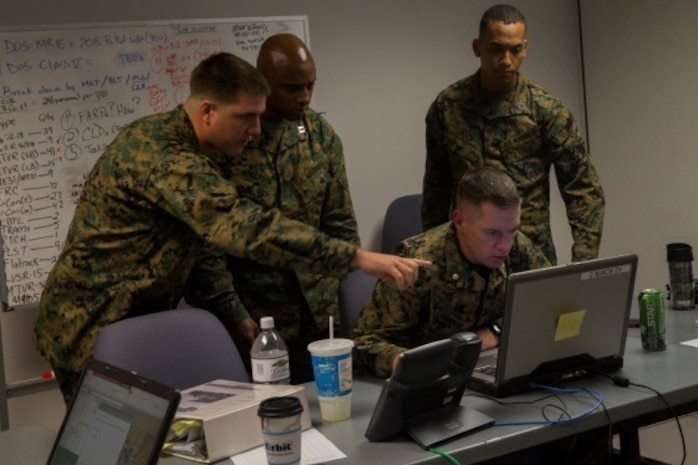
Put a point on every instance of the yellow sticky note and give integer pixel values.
(569, 324)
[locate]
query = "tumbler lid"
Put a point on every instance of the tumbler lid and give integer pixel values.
(280, 407)
(679, 252)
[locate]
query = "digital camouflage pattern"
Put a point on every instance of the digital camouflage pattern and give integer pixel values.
(154, 222)
(449, 297)
(297, 167)
(523, 133)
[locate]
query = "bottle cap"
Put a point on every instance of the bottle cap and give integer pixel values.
(266, 322)
(679, 252)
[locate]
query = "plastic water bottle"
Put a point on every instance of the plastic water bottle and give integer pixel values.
(269, 355)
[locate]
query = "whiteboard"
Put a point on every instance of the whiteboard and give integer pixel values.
(65, 92)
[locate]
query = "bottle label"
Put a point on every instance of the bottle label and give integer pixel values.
(270, 370)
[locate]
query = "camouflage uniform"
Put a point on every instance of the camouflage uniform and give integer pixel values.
(154, 222)
(523, 133)
(297, 167)
(450, 296)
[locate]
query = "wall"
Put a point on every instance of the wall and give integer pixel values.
(643, 115)
(380, 64)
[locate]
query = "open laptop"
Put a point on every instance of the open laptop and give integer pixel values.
(560, 323)
(115, 417)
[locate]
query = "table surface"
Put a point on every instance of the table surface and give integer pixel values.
(673, 372)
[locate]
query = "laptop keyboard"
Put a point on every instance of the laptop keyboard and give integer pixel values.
(487, 363)
(487, 369)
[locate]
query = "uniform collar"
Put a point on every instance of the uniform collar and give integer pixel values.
(184, 130)
(512, 103)
(280, 135)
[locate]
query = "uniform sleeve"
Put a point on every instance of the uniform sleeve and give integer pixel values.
(384, 328)
(579, 184)
(338, 218)
(210, 286)
(525, 255)
(436, 187)
(196, 194)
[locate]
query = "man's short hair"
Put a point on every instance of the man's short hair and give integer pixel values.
(224, 77)
(504, 13)
(487, 185)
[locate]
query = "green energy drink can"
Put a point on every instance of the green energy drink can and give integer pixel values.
(652, 326)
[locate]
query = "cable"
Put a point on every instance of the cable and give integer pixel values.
(625, 382)
(571, 418)
(564, 416)
(673, 413)
(517, 402)
(445, 455)
(609, 440)
(619, 380)
(563, 411)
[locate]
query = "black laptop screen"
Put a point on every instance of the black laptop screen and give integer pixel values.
(115, 417)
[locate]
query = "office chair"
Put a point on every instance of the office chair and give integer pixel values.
(354, 291)
(180, 348)
(403, 219)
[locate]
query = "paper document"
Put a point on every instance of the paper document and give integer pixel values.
(315, 448)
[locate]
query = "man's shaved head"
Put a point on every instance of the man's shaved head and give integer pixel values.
(288, 66)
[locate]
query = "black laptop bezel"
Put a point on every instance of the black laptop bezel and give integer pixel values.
(171, 395)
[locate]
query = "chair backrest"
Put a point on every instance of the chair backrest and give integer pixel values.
(180, 348)
(354, 291)
(403, 219)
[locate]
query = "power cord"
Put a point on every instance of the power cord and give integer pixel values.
(625, 382)
(597, 396)
(565, 418)
(609, 437)
(562, 413)
(517, 402)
